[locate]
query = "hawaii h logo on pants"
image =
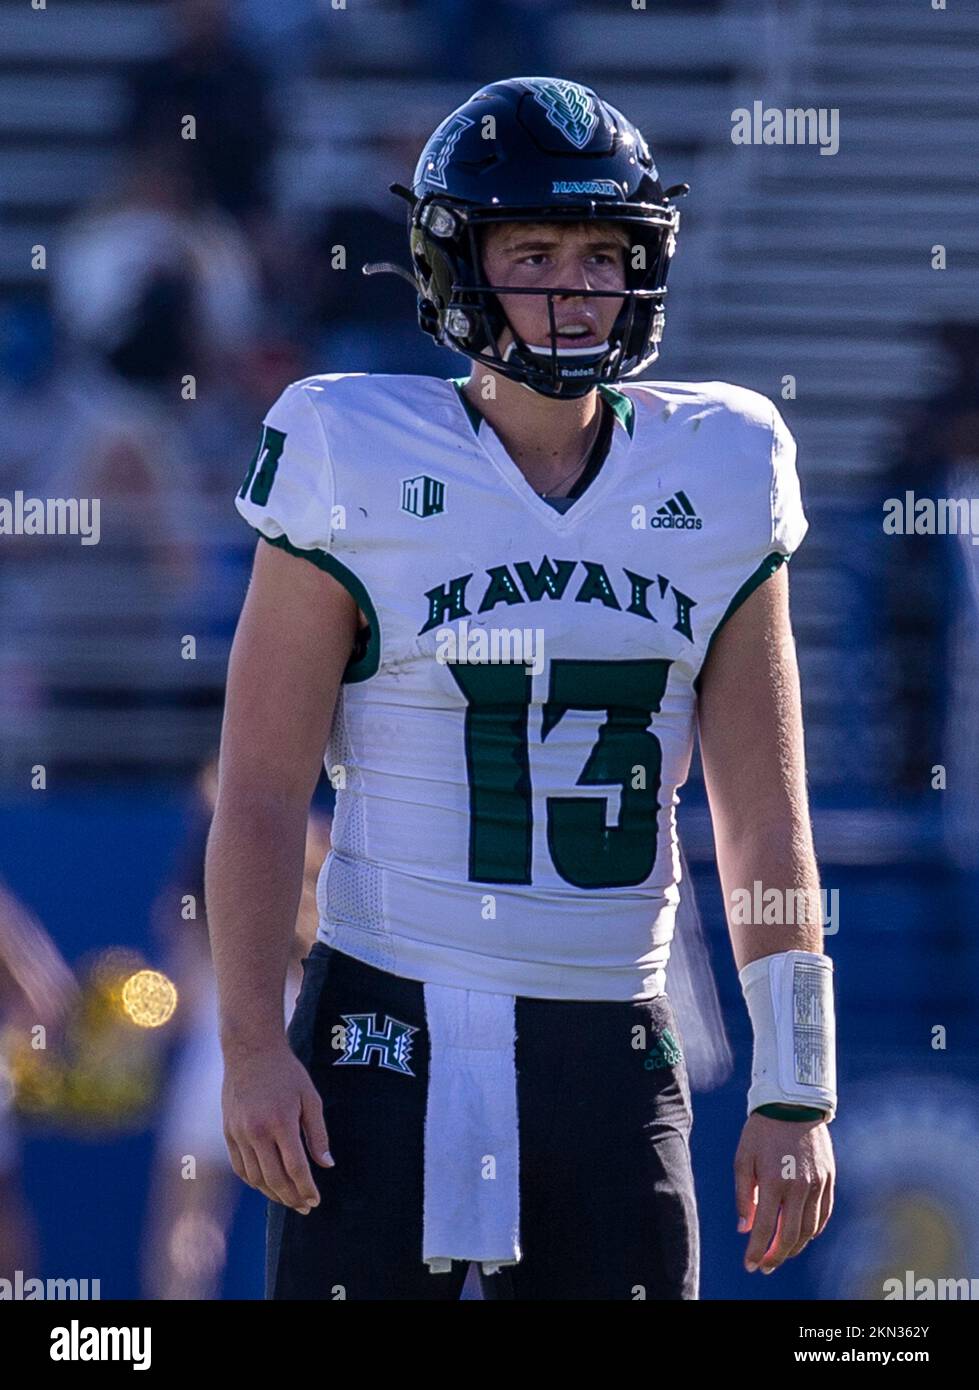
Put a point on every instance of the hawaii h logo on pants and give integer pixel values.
(363, 1039)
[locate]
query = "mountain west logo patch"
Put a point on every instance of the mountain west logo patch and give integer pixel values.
(422, 496)
(676, 514)
(570, 108)
(363, 1039)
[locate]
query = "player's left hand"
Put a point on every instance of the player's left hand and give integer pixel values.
(782, 1213)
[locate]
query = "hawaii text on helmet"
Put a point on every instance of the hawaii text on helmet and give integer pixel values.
(554, 151)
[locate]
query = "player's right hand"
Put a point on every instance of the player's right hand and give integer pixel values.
(269, 1103)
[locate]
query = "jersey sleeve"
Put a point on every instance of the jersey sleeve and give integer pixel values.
(789, 524)
(288, 492)
(768, 502)
(764, 522)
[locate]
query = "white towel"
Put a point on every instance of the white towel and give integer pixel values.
(472, 1155)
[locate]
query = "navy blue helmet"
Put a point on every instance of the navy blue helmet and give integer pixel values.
(538, 149)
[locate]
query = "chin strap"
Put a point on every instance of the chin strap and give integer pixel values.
(576, 366)
(597, 349)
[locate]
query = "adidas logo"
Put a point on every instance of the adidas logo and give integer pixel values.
(676, 514)
(664, 1053)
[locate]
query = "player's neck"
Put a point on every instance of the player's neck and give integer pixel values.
(544, 437)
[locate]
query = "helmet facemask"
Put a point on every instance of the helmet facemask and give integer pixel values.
(467, 314)
(546, 150)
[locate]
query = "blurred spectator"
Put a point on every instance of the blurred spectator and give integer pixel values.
(158, 285)
(74, 430)
(367, 323)
(928, 585)
(209, 75)
(221, 430)
(193, 1189)
(36, 988)
(76, 626)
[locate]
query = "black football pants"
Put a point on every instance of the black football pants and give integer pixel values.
(607, 1207)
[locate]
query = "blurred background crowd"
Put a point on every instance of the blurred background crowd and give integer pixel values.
(157, 292)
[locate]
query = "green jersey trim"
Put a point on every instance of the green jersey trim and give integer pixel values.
(623, 408)
(769, 566)
(475, 419)
(800, 1113)
(367, 655)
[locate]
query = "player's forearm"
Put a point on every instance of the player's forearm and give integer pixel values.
(753, 752)
(253, 882)
(771, 891)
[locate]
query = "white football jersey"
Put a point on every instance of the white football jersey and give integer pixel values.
(509, 741)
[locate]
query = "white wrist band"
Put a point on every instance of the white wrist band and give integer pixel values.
(790, 1002)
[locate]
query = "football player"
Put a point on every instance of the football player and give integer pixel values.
(501, 606)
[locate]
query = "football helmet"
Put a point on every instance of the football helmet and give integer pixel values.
(537, 149)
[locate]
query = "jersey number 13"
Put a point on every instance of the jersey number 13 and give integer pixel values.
(584, 849)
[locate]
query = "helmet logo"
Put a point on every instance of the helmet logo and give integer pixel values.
(608, 188)
(570, 108)
(448, 133)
